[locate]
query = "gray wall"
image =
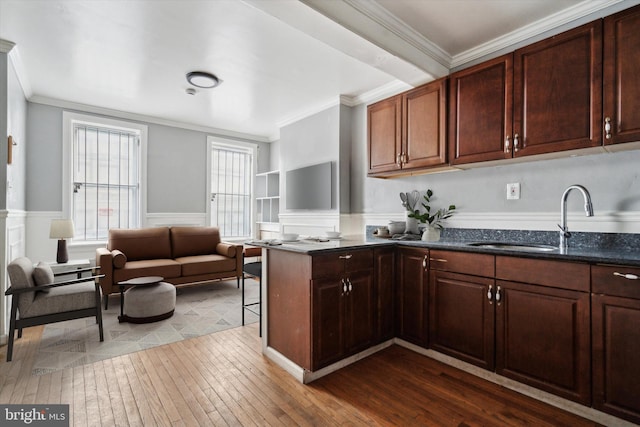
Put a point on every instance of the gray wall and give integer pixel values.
(176, 166)
(312, 140)
(16, 124)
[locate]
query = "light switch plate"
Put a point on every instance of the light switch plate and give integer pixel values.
(513, 191)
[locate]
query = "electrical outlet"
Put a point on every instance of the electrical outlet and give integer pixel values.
(513, 191)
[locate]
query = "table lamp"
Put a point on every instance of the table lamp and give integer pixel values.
(61, 229)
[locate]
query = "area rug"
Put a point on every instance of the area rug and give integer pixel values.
(200, 310)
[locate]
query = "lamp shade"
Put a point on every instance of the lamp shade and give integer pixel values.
(61, 229)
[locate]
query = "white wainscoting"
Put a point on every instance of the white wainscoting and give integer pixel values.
(13, 232)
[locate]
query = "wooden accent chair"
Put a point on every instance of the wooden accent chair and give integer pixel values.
(38, 300)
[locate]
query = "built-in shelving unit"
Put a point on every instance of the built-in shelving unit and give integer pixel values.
(268, 196)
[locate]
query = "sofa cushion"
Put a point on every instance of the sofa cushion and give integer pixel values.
(189, 241)
(206, 264)
(142, 243)
(61, 299)
(166, 268)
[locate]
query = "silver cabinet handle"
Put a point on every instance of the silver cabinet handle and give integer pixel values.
(438, 259)
(627, 276)
(498, 295)
(607, 127)
(507, 144)
(404, 157)
(399, 159)
(490, 294)
(515, 142)
(424, 262)
(350, 285)
(344, 286)
(348, 256)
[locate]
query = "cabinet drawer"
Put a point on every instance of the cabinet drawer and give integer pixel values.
(462, 262)
(555, 274)
(604, 280)
(338, 263)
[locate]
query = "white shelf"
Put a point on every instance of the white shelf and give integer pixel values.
(268, 196)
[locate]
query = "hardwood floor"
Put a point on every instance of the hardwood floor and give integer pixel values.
(223, 379)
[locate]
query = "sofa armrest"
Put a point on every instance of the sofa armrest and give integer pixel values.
(228, 249)
(104, 259)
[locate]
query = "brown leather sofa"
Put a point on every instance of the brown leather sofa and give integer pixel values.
(182, 255)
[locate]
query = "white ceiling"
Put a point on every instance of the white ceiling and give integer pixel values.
(279, 59)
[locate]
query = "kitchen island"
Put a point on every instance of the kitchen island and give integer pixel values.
(331, 303)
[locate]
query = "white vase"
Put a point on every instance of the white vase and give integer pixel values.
(431, 234)
(411, 225)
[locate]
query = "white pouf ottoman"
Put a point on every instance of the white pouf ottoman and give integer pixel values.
(144, 304)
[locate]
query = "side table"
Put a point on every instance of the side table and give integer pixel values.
(70, 266)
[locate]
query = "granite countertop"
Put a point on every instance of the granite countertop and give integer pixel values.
(606, 248)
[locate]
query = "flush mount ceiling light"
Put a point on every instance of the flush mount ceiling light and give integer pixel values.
(203, 79)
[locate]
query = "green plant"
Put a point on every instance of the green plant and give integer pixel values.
(435, 219)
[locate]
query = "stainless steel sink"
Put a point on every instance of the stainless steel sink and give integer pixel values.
(528, 247)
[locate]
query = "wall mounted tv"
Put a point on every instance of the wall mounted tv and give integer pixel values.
(309, 187)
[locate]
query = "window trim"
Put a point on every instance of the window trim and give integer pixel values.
(218, 141)
(68, 120)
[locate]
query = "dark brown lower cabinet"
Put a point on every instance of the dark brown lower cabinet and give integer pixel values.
(542, 338)
(343, 309)
(461, 317)
(527, 328)
(411, 295)
(384, 265)
(615, 317)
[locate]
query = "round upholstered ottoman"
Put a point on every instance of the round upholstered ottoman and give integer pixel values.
(144, 304)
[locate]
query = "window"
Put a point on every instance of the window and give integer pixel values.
(104, 175)
(231, 203)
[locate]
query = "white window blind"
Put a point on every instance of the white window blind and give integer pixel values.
(231, 185)
(106, 180)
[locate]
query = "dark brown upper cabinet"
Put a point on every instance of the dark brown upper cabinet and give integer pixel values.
(621, 77)
(384, 130)
(558, 93)
(543, 98)
(481, 111)
(408, 131)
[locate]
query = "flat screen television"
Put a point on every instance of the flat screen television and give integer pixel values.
(309, 187)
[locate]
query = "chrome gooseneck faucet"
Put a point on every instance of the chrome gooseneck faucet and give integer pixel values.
(588, 209)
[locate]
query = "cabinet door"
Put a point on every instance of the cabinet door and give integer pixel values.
(621, 82)
(542, 338)
(424, 126)
(558, 92)
(461, 317)
(359, 326)
(384, 278)
(616, 356)
(481, 111)
(411, 295)
(328, 309)
(384, 121)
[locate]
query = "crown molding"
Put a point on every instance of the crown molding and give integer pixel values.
(6, 46)
(375, 24)
(548, 23)
(144, 118)
(391, 23)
